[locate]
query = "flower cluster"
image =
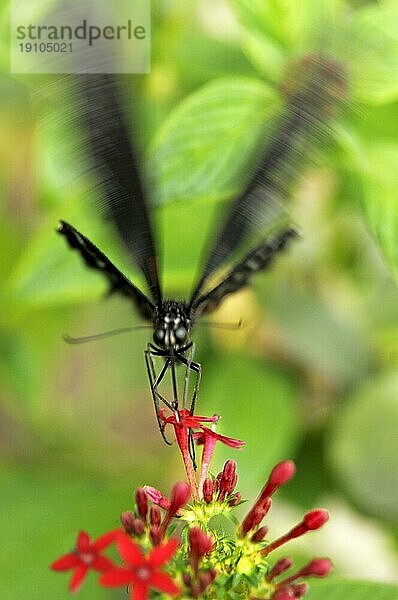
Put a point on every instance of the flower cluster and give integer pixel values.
(171, 544)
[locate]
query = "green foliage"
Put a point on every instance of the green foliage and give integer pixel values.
(198, 138)
(322, 347)
(364, 459)
(353, 590)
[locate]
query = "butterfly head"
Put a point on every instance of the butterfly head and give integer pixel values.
(172, 325)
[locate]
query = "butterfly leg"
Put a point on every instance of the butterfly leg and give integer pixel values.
(187, 372)
(154, 382)
(174, 383)
(197, 368)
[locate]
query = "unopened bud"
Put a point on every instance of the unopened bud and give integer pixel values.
(319, 567)
(283, 595)
(200, 544)
(206, 578)
(127, 520)
(235, 499)
(315, 518)
(195, 590)
(141, 500)
(229, 477)
(312, 520)
(157, 497)
(280, 475)
(208, 490)
(259, 535)
(255, 515)
(138, 527)
(154, 515)
(280, 567)
(155, 534)
(179, 496)
(299, 590)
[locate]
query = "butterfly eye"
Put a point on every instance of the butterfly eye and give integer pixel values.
(181, 334)
(158, 336)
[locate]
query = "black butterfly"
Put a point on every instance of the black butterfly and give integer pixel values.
(115, 166)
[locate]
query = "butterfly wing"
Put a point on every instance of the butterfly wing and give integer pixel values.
(95, 259)
(310, 98)
(259, 259)
(115, 167)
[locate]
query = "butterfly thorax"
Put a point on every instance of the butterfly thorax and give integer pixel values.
(172, 325)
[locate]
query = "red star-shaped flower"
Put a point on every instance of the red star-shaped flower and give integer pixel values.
(142, 572)
(85, 556)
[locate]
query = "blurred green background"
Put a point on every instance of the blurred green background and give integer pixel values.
(313, 374)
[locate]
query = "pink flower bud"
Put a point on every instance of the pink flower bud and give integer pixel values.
(299, 590)
(315, 518)
(127, 519)
(260, 534)
(157, 497)
(229, 477)
(200, 543)
(235, 499)
(255, 516)
(155, 534)
(154, 515)
(280, 475)
(138, 527)
(319, 567)
(280, 567)
(206, 578)
(141, 500)
(283, 595)
(312, 520)
(195, 590)
(179, 496)
(208, 490)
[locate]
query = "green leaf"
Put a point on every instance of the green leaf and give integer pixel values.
(205, 144)
(365, 39)
(44, 514)
(316, 336)
(257, 405)
(352, 590)
(373, 56)
(50, 274)
(378, 167)
(277, 30)
(363, 446)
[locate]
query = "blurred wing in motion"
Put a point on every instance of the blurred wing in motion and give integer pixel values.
(311, 95)
(95, 259)
(115, 168)
(257, 260)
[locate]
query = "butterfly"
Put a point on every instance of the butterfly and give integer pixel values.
(309, 100)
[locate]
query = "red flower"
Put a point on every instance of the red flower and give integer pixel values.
(85, 556)
(183, 419)
(228, 441)
(142, 572)
(183, 422)
(209, 438)
(200, 544)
